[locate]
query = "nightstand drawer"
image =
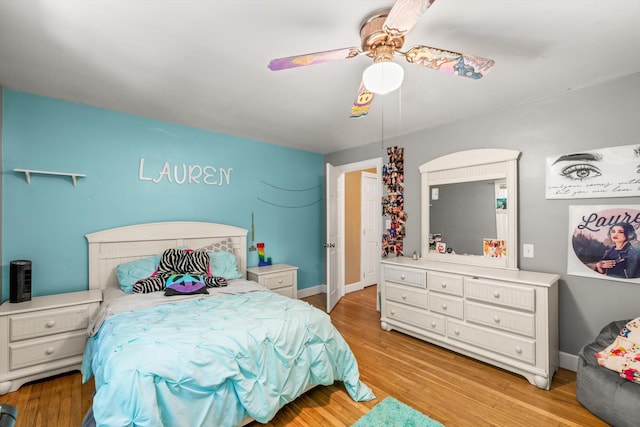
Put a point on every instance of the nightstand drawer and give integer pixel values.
(38, 324)
(34, 352)
(279, 280)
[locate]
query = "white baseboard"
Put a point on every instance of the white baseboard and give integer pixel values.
(313, 290)
(568, 361)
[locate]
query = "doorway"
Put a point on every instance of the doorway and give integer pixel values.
(359, 217)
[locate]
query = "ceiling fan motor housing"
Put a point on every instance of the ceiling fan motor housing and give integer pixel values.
(376, 42)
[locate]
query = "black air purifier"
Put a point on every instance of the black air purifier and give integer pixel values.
(20, 280)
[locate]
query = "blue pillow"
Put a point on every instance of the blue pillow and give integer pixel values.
(224, 264)
(130, 272)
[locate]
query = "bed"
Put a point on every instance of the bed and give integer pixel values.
(235, 354)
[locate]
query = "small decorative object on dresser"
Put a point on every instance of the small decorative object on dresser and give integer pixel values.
(280, 278)
(505, 318)
(44, 336)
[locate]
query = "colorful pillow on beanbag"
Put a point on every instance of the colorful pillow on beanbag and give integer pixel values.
(185, 284)
(130, 272)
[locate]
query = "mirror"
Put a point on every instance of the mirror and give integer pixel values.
(469, 208)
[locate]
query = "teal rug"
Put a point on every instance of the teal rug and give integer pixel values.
(393, 413)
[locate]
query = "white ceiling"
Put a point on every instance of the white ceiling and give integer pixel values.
(204, 63)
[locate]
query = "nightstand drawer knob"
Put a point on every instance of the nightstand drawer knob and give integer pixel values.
(403, 277)
(443, 284)
(51, 324)
(404, 296)
(49, 351)
(280, 281)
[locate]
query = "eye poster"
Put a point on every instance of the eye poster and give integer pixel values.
(603, 242)
(605, 172)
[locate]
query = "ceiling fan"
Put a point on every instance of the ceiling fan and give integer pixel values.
(382, 36)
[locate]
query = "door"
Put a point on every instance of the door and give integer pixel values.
(332, 243)
(369, 217)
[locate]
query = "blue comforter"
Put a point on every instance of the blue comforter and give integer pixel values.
(214, 361)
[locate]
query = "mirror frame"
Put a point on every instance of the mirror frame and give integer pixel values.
(468, 166)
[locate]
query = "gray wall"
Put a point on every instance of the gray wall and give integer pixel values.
(585, 119)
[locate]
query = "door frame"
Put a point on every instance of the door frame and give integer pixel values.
(343, 169)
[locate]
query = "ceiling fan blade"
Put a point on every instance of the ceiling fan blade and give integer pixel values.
(362, 103)
(404, 15)
(313, 58)
(455, 63)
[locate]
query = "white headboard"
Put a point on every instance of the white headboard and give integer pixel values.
(108, 248)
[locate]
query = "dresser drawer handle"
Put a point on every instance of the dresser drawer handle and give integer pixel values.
(496, 294)
(433, 324)
(393, 312)
(444, 306)
(280, 282)
(456, 331)
(404, 296)
(403, 277)
(496, 319)
(443, 285)
(51, 324)
(49, 351)
(518, 349)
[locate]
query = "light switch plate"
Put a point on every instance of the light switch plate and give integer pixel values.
(527, 250)
(435, 193)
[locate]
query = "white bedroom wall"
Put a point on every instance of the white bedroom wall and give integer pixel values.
(581, 119)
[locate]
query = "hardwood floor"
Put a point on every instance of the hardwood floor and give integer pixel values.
(448, 387)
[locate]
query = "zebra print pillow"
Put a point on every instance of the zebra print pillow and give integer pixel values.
(178, 261)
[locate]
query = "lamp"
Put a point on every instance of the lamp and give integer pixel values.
(383, 77)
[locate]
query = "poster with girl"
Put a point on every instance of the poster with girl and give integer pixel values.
(603, 242)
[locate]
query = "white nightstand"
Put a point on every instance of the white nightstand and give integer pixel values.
(280, 278)
(43, 337)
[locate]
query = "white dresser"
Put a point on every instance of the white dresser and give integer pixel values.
(507, 318)
(44, 336)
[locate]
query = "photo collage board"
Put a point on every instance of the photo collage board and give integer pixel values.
(393, 203)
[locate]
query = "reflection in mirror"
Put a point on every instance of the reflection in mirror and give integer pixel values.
(475, 213)
(464, 214)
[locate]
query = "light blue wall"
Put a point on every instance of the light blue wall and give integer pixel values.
(46, 221)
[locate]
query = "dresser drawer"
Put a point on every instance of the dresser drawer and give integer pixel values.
(445, 283)
(278, 280)
(415, 316)
(520, 297)
(447, 305)
(48, 322)
(501, 318)
(498, 342)
(406, 295)
(37, 351)
(406, 276)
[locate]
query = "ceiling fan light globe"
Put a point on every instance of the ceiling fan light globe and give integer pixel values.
(383, 77)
